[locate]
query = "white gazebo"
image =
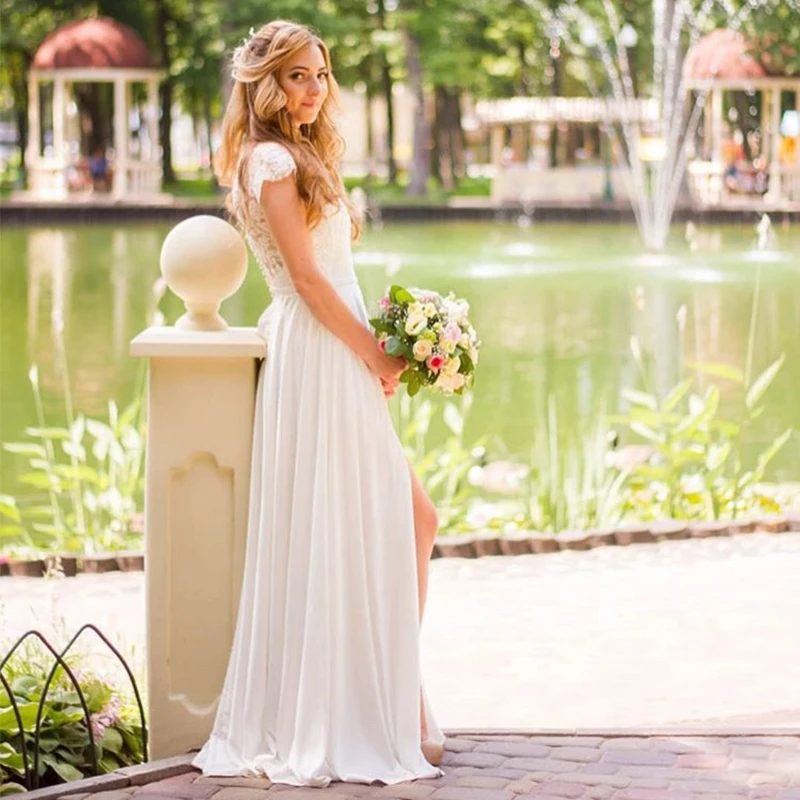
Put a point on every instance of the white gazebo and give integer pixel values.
(98, 50)
(721, 62)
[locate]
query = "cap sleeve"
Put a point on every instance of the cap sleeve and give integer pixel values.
(269, 161)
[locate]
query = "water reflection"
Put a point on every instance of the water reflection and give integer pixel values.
(556, 306)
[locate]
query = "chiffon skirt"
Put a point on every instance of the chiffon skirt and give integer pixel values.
(323, 682)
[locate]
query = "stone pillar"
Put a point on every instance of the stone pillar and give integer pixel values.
(201, 402)
(717, 113)
(120, 139)
(59, 116)
(775, 189)
(154, 155)
(34, 149)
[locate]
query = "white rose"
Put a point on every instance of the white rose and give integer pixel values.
(458, 381)
(429, 310)
(416, 323)
(422, 349)
(444, 382)
(463, 341)
(452, 365)
(446, 346)
(415, 308)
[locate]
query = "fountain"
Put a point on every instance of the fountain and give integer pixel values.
(654, 151)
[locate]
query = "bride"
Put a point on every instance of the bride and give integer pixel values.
(323, 682)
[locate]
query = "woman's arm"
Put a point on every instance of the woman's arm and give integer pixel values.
(286, 217)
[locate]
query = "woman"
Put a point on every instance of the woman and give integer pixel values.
(324, 680)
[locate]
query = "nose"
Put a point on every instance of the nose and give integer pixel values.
(315, 88)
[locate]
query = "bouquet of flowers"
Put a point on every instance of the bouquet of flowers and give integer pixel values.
(433, 333)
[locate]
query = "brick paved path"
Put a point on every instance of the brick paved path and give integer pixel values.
(506, 767)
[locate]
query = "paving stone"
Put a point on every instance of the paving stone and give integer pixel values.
(583, 754)
(454, 745)
(639, 757)
(784, 767)
(159, 770)
(627, 743)
(779, 741)
(703, 760)
(567, 741)
(240, 781)
(600, 768)
(521, 749)
(476, 760)
(682, 746)
(614, 781)
(599, 792)
(405, 791)
(114, 794)
(482, 782)
(653, 794)
(182, 790)
(241, 793)
(713, 788)
(504, 772)
(543, 764)
(759, 778)
(649, 783)
(752, 750)
(562, 789)
(789, 794)
(465, 793)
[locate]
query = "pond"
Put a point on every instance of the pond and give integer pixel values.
(556, 306)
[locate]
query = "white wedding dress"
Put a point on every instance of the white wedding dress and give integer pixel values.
(323, 682)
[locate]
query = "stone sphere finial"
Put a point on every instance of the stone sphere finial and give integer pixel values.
(204, 261)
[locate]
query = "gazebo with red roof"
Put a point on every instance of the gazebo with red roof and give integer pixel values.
(722, 61)
(99, 50)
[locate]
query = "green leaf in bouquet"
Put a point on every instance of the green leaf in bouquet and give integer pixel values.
(381, 325)
(397, 294)
(395, 347)
(467, 367)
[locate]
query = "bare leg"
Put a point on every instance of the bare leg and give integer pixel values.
(425, 526)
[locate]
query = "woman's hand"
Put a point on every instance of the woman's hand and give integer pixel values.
(388, 369)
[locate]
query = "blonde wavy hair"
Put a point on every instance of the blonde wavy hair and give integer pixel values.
(256, 112)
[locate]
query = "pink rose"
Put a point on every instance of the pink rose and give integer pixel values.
(452, 332)
(385, 302)
(435, 363)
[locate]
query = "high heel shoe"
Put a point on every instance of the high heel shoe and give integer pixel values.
(433, 752)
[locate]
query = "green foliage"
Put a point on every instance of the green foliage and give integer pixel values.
(696, 470)
(571, 485)
(86, 483)
(65, 751)
(443, 469)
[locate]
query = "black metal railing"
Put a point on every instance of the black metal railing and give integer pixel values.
(31, 771)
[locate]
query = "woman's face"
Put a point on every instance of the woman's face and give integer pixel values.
(304, 79)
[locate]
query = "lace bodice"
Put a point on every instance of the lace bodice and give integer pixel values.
(270, 161)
